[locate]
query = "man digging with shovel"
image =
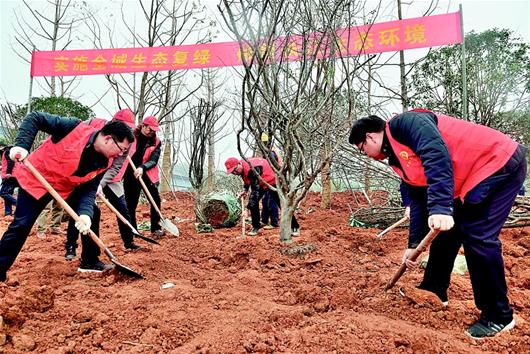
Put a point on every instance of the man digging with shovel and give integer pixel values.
(463, 180)
(72, 160)
(111, 185)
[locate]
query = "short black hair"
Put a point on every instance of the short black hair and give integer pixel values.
(370, 124)
(118, 130)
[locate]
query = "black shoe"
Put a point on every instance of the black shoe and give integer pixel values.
(158, 233)
(484, 328)
(70, 252)
(97, 267)
(132, 246)
(254, 232)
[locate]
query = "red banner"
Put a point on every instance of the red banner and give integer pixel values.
(381, 37)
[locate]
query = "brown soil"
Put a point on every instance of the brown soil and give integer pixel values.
(234, 295)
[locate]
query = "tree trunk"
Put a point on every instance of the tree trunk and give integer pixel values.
(286, 216)
(166, 161)
(325, 177)
(210, 181)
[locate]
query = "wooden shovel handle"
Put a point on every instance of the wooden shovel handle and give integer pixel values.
(146, 191)
(65, 205)
(391, 227)
(243, 217)
(415, 254)
(115, 211)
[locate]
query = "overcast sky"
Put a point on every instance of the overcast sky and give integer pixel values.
(479, 15)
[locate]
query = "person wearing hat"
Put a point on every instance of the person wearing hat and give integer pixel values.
(145, 154)
(72, 160)
(111, 186)
(257, 187)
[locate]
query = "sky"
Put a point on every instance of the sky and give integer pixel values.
(479, 15)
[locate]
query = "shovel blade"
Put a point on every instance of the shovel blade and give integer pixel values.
(170, 227)
(126, 270)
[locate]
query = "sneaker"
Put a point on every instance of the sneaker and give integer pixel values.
(132, 246)
(295, 232)
(484, 328)
(70, 252)
(254, 232)
(269, 227)
(158, 233)
(41, 235)
(97, 267)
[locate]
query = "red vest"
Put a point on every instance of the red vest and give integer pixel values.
(4, 164)
(476, 153)
(267, 174)
(97, 123)
(57, 163)
(152, 173)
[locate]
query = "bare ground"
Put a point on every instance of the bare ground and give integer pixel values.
(233, 295)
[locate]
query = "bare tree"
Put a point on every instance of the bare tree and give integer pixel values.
(202, 129)
(50, 28)
(167, 23)
(302, 105)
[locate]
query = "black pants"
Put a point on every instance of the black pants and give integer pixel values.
(132, 189)
(269, 209)
(6, 192)
(253, 206)
(478, 222)
(72, 234)
(121, 206)
(16, 234)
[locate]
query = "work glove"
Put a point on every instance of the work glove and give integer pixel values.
(139, 172)
(405, 259)
(441, 222)
(100, 190)
(83, 224)
(18, 153)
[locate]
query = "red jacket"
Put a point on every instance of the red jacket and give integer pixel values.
(57, 163)
(152, 173)
(476, 153)
(267, 173)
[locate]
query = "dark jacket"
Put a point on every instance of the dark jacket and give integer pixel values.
(58, 127)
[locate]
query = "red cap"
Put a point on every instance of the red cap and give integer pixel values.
(126, 116)
(231, 165)
(152, 122)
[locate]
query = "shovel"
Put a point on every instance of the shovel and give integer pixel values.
(124, 269)
(165, 223)
(415, 254)
(391, 227)
(243, 226)
(125, 221)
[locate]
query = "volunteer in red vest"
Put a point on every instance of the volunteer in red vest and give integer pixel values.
(72, 160)
(145, 154)
(462, 179)
(112, 188)
(9, 182)
(257, 188)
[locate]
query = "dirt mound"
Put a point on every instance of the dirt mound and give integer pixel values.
(231, 295)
